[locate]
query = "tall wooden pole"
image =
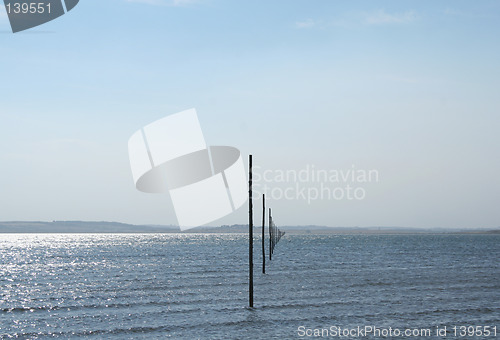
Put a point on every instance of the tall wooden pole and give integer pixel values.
(250, 235)
(263, 238)
(270, 236)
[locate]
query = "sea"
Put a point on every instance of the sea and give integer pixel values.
(195, 286)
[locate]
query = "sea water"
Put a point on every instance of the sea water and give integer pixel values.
(190, 286)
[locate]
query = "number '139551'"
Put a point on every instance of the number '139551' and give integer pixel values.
(33, 8)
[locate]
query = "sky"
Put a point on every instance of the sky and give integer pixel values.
(408, 89)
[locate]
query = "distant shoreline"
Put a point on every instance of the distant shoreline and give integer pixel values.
(84, 227)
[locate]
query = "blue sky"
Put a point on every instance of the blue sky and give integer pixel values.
(409, 88)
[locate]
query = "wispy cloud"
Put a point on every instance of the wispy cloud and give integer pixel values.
(403, 79)
(381, 17)
(354, 20)
(451, 12)
(308, 23)
(184, 2)
(173, 3)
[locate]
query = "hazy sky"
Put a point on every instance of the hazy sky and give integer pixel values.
(408, 88)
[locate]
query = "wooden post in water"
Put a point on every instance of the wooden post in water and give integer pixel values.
(270, 236)
(250, 235)
(263, 238)
(272, 233)
(275, 236)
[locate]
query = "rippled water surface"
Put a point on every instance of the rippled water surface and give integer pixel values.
(195, 285)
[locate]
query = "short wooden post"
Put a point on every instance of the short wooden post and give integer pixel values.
(250, 235)
(270, 236)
